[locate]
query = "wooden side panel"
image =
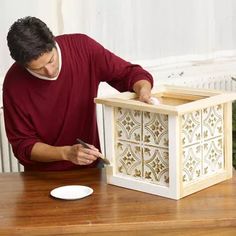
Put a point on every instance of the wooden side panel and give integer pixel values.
(109, 151)
(175, 158)
(204, 183)
(228, 139)
(207, 147)
(141, 152)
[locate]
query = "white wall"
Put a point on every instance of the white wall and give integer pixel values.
(156, 29)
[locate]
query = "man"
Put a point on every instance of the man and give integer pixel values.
(48, 94)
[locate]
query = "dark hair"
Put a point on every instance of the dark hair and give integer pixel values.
(29, 38)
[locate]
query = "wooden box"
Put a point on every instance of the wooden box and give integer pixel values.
(173, 149)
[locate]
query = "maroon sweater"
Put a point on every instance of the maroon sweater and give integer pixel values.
(57, 112)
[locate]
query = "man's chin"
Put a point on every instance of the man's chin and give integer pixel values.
(52, 76)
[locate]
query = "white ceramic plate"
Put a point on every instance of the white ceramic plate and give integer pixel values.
(71, 192)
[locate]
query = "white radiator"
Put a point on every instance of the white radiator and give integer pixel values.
(217, 75)
(224, 83)
(8, 162)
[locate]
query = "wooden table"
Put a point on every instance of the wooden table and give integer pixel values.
(26, 208)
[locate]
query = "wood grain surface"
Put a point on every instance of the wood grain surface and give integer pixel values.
(26, 208)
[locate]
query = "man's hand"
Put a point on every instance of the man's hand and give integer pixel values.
(143, 90)
(79, 155)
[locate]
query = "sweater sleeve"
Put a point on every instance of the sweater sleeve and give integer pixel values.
(19, 129)
(112, 69)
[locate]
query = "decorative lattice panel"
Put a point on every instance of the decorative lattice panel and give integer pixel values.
(202, 141)
(142, 145)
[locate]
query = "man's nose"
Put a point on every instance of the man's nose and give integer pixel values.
(49, 70)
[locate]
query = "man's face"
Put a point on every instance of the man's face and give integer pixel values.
(46, 65)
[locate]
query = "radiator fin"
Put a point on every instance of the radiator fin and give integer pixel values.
(8, 162)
